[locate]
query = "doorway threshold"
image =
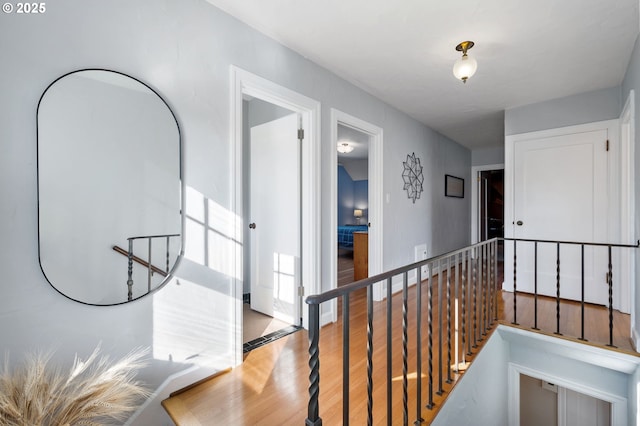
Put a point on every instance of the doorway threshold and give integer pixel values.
(263, 340)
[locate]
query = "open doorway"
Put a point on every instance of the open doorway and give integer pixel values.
(306, 269)
(491, 207)
(487, 201)
(272, 206)
(491, 204)
(352, 205)
(373, 135)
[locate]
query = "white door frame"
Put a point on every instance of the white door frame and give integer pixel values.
(246, 83)
(627, 204)
(375, 203)
(475, 206)
(618, 404)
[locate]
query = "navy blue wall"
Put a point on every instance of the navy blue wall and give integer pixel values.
(351, 195)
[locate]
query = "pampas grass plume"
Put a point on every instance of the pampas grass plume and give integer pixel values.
(94, 391)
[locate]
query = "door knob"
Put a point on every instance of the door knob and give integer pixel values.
(252, 226)
(519, 223)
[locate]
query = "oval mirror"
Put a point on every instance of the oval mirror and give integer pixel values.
(109, 187)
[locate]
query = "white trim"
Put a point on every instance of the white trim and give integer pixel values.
(561, 398)
(246, 83)
(618, 404)
(635, 337)
(475, 206)
(627, 203)
(375, 199)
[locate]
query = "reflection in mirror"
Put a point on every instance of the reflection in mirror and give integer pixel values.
(109, 188)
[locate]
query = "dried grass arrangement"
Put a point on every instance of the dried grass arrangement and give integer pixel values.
(93, 392)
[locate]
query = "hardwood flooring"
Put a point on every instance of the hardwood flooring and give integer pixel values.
(271, 386)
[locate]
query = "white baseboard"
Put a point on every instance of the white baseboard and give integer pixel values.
(412, 278)
(327, 317)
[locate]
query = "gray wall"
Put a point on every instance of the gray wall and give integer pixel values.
(487, 156)
(480, 398)
(599, 105)
(183, 49)
(632, 81)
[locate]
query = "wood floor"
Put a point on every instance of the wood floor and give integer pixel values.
(271, 386)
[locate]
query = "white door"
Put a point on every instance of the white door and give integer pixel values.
(578, 409)
(275, 219)
(560, 193)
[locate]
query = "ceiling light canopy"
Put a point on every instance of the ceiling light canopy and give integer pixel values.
(466, 66)
(344, 148)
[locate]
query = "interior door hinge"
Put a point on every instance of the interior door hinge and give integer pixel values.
(301, 291)
(607, 145)
(300, 134)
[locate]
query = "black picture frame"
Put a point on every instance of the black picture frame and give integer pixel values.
(453, 186)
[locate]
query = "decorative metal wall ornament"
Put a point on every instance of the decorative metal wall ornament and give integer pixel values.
(412, 177)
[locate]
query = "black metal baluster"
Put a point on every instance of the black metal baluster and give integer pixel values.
(130, 271)
(558, 290)
(430, 405)
(449, 378)
(480, 263)
(468, 296)
(419, 418)
(345, 359)
(582, 292)
(369, 356)
(496, 247)
(440, 379)
(483, 294)
(389, 351)
(535, 286)
(149, 270)
(610, 282)
(313, 418)
(489, 285)
(474, 285)
(405, 350)
(456, 312)
(515, 288)
(463, 290)
(167, 266)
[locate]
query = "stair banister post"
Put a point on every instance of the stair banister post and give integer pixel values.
(130, 271)
(313, 418)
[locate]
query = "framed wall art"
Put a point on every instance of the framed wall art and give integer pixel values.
(453, 186)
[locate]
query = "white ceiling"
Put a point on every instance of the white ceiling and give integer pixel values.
(402, 51)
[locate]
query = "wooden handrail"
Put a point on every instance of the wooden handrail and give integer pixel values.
(140, 261)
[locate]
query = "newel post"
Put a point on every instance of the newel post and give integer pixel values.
(313, 418)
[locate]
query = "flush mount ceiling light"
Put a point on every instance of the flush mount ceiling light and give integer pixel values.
(344, 148)
(464, 67)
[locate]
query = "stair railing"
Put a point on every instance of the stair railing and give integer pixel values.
(520, 242)
(151, 269)
(468, 274)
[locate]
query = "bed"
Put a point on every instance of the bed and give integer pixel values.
(345, 235)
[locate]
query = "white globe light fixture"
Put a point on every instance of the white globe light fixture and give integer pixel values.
(465, 67)
(344, 148)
